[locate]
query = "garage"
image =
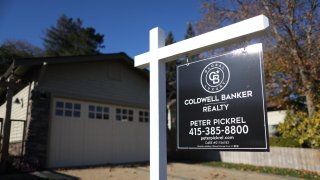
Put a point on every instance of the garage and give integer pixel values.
(82, 110)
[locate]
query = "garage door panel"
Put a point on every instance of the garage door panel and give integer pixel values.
(125, 142)
(71, 137)
(98, 144)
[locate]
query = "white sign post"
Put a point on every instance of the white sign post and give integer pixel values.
(156, 58)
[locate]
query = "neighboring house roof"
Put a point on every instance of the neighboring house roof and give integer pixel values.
(21, 68)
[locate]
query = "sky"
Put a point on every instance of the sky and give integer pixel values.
(125, 24)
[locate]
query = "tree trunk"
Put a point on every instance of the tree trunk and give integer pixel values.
(309, 93)
(310, 103)
(306, 83)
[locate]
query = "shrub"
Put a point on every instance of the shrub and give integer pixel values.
(284, 142)
(299, 126)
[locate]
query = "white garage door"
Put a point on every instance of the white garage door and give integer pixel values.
(85, 133)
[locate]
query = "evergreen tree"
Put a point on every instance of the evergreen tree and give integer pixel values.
(171, 98)
(69, 37)
(190, 32)
(171, 66)
(170, 79)
(169, 39)
(170, 76)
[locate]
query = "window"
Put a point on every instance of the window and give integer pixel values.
(143, 116)
(59, 108)
(68, 109)
(124, 114)
(98, 112)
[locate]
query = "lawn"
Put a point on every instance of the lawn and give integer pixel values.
(268, 170)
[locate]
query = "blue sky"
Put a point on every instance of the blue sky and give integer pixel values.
(125, 23)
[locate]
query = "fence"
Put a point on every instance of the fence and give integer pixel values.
(16, 135)
(294, 158)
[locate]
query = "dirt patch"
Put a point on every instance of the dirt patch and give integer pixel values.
(176, 171)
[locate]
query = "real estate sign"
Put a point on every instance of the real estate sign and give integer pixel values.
(221, 102)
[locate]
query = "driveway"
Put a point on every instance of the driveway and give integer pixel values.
(176, 171)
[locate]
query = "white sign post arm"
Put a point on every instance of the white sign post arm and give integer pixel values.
(223, 37)
(158, 131)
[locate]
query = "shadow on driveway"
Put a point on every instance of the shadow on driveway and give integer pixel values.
(38, 175)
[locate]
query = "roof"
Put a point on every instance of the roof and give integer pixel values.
(21, 67)
(38, 61)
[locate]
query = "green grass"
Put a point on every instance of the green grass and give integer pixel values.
(268, 170)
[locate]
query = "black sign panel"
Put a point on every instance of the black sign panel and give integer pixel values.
(221, 102)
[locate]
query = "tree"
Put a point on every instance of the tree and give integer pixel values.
(171, 76)
(190, 32)
(169, 39)
(171, 97)
(170, 67)
(296, 29)
(69, 37)
(171, 83)
(292, 44)
(11, 50)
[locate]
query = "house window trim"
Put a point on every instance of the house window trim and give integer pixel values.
(124, 114)
(144, 116)
(103, 114)
(73, 110)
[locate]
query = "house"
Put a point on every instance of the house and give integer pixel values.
(82, 110)
(274, 118)
(79, 110)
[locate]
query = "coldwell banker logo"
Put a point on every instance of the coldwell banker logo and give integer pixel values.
(215, 77)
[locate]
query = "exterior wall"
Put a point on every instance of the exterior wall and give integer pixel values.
(79, 141)
(274, 118)
(18, 112)
(83, 141)
(112, 81)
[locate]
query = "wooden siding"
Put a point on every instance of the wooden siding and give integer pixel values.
(112, 81)
(18, 112)
(276, 117)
